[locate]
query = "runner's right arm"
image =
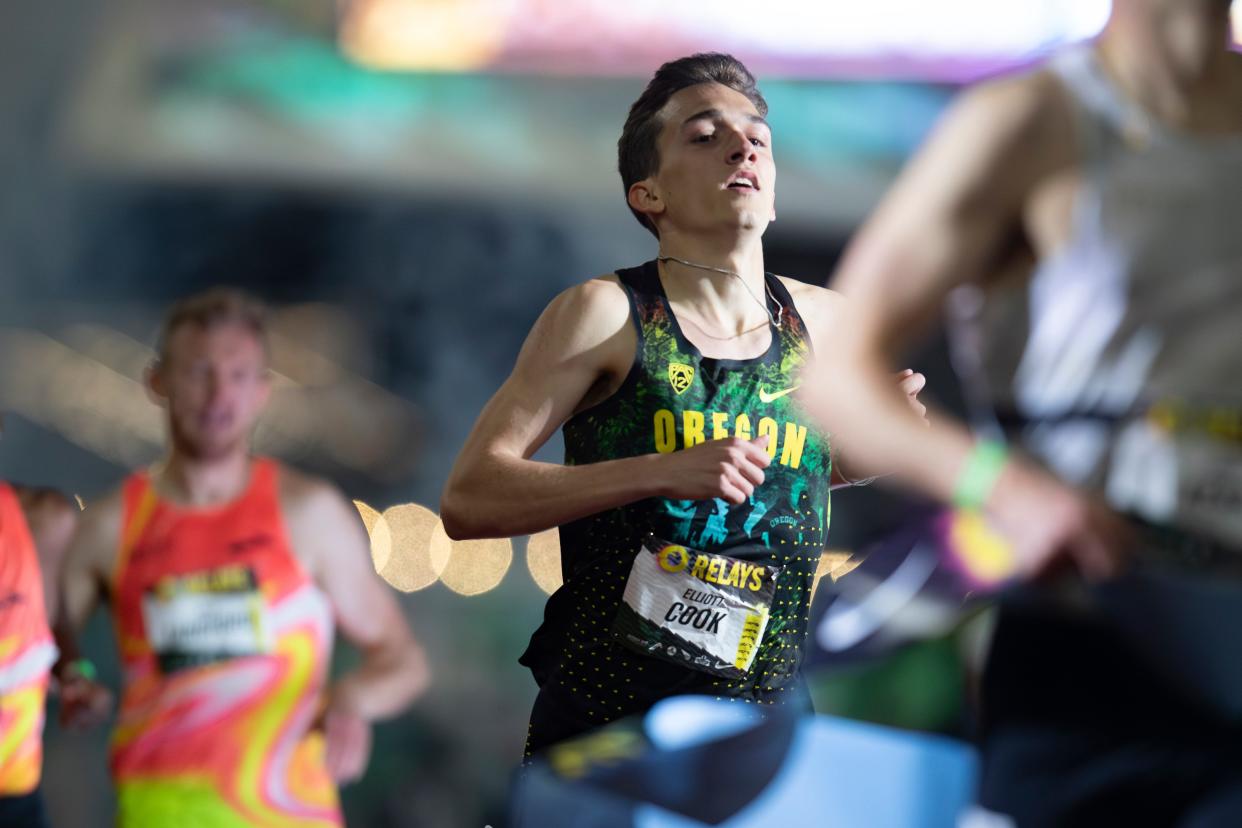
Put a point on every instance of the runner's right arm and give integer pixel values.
(954, 216)
(87, 563)
(83, 579)
(577, 354)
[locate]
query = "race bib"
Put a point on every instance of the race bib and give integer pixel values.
(205, 617)
(1188, 479)
(703, 611)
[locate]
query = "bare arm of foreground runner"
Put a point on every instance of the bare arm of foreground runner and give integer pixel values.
(329, 537)
(578, 353)
(955, 216)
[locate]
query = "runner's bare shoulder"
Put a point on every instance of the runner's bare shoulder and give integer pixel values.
(819, 307)
(305, 495)
(319, 520)
(589, 321)
(597, 307)
(1011, 127)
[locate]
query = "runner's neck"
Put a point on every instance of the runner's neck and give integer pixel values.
(722, 286)
(202, 483)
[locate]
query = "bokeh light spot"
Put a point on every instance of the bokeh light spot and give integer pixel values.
(543, 559)
(469, 567)
(409, 565)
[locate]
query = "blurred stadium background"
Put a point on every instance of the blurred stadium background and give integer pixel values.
(408, 182)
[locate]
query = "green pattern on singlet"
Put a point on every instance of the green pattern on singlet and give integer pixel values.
(674, 397)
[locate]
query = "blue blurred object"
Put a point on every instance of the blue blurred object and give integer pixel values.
(695, 761)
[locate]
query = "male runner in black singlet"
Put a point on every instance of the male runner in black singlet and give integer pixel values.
(673, 381)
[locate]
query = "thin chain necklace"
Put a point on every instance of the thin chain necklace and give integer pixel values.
(776, 319)
(729, 338)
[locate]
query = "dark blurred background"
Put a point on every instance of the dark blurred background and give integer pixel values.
(409, 182)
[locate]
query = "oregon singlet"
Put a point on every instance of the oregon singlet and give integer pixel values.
(225, 642)
(674, 398)
(26, 652)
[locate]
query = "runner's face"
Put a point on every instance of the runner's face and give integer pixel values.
(215, 382)
(716, 166)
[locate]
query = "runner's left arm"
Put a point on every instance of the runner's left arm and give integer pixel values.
(823, 311)
(911, 384)
(329, 537)
(328, 533)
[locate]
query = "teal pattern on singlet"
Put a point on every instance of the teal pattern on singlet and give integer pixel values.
(673, 398)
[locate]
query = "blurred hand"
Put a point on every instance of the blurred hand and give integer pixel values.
(1050, 523)
(83, 703)
(911, 384)
(728, 469)
(347, 738)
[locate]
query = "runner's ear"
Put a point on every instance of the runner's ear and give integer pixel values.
(644, 197)
(153, 379)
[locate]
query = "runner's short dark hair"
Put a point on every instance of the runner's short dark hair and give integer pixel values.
(638, 153)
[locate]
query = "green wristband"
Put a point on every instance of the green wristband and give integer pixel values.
(979, 474)
(85, 667)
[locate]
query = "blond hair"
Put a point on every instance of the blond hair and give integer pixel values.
(212, 308)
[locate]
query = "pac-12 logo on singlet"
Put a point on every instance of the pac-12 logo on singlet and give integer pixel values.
(204, 617)
(680, 376)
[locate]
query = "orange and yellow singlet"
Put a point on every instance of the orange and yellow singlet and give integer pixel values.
(225, 642)
(26, 652)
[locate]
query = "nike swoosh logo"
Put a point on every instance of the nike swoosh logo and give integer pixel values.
(764, 396)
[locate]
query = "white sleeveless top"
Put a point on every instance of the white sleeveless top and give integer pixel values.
(1120, 364)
